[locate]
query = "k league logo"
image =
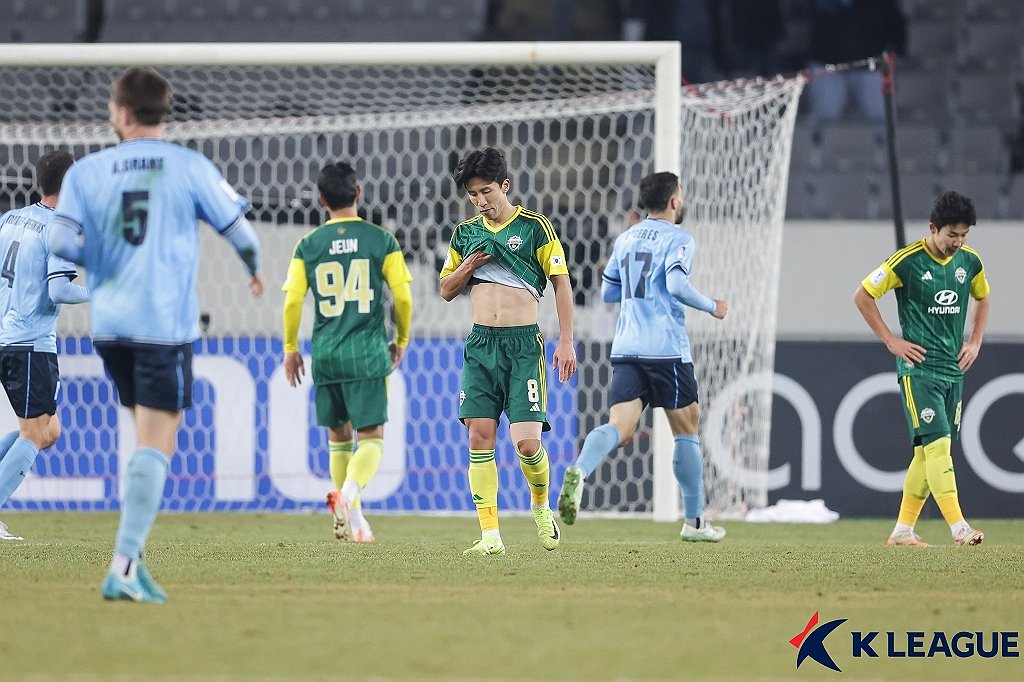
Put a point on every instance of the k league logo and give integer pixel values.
(811, 642)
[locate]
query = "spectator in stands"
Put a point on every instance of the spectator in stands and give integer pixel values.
(694, 25)
(845, 31)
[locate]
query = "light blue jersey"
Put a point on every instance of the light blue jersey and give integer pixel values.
(136, 207)
(652, 321)
(29, 317)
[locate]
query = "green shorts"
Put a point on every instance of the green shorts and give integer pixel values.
(504, 372)
(932, 407)
(363, 402)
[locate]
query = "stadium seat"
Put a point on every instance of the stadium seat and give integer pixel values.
(932, 10)
(919, 148)
(799, 197)
(987, 190)
(927, 40)
(923, 96)
(918, 192)
(845, 196)
(977, 149)
(804, 154)
(993, 10)
(991, 46)
(988, 97)
(1015, 198)
(850, 147)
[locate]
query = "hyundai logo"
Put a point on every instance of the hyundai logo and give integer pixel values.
(946, 297)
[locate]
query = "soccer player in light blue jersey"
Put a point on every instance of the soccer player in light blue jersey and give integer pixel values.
(33, 282)
(129, 214)
(649, 275)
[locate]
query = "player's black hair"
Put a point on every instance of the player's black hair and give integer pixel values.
(953, 208)
(488, 164)
(337, 183)
(145, 93)
(656, 190)
(50, 170)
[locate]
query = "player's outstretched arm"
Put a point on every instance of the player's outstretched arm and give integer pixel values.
(564, 361)
(455, 283)
(901, 348)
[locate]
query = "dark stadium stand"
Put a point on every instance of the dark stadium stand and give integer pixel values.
(959, 86)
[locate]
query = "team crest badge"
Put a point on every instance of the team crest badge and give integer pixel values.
(927, 415)
(514, 242)
(961, 275)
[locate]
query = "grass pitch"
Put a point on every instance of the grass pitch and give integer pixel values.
(275, 597)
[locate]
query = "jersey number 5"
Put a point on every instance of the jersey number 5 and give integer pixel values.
(335, 289)
(134, 216)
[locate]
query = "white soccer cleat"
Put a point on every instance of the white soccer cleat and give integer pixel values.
(905, 538)
(706, 533)
(969, 537)
(338, 505)
(6, 534)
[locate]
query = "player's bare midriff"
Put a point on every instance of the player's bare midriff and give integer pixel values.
(496, 305)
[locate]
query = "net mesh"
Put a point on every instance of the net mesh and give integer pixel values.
(578, 139)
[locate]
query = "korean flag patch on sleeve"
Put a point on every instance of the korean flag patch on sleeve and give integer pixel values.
(557, 261)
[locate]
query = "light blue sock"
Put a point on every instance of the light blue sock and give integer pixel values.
(6, 441)
(600, 443)
(15, 465)
(143, 490)
(688, 465)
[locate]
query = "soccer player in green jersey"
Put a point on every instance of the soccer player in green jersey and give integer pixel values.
(933, 278)
(505, 256)
(346, 262)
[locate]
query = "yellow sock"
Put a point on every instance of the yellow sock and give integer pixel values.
(537, 472)
(942, 480)
(365, 461)
(915, 489)
(483, 484)
(341, 454)
(488, 517)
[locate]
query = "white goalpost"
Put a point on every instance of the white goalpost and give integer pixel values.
(581, 123)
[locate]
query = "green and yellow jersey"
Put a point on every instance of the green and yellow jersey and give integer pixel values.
(525, 250)
(345, 262)
(932, 296)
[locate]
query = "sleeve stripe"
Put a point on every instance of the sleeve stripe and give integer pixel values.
(549, 230)
(898, 257)
(610, 280)
(678, 265)
(233, 226)
(63, 273)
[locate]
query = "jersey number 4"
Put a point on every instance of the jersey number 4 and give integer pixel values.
(7, 272)
(644, 258)
(335, 289)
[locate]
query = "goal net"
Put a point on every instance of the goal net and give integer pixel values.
(580, 125)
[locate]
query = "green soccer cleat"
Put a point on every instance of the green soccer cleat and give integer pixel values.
(571, 494)
(486, 546)
(547, 529)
